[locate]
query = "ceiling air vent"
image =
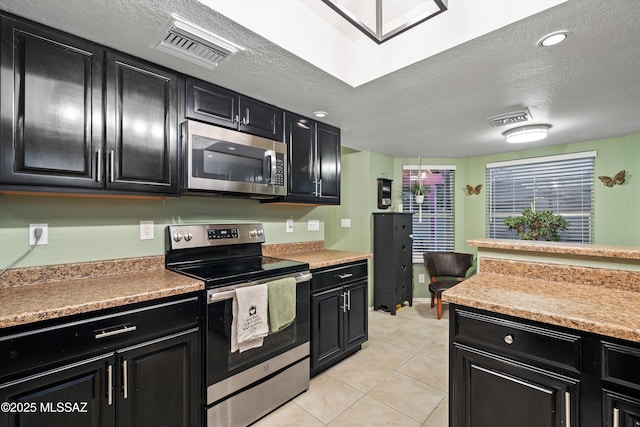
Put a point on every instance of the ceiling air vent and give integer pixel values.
(510, 118)
(194, 44)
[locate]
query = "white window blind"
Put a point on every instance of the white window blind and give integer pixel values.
(436, 231)
(562, 184)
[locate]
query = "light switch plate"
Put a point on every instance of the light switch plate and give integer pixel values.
(313, 225)
(146, 230)
(289, 226)
(420, 278)
(345, 222)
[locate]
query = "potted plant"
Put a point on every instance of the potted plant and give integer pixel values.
(418, 191)
(540, 225)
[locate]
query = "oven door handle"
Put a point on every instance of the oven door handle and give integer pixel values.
(214, 296)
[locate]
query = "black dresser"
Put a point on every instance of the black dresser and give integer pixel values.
(392, 263)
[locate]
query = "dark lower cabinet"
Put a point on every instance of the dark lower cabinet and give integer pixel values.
(124, 382)
(72, 395)
(490, 391)
(160, 383)
(506, 371)
(338, 314)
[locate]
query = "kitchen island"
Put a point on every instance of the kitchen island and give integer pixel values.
(546, 334)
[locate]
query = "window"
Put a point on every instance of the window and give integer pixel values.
(562, 184)
(436, 230)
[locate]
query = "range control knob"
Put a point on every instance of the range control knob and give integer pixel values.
(188, 236)
(177, 237)
(253, 233)
(260, 232)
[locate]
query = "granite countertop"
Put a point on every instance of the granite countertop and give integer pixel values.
(123, 282)
(314, 254)
(600, 310)
(567, 248)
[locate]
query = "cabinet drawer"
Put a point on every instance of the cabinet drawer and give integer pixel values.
(620, 364)
(41, 347)
(336, 276)
(520, 339)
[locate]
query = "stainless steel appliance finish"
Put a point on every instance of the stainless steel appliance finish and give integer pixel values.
(225, 161)
(242, 386)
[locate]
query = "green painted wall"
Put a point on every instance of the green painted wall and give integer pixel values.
(89, 229)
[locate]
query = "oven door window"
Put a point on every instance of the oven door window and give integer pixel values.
(228, 161)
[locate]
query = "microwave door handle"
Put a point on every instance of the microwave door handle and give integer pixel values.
(270, 166)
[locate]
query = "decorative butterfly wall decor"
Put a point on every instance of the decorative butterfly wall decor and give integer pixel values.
(616, 180)
(473, 190)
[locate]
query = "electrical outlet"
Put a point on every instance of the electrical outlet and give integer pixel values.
(345, 222)
(44, 237)
(146, 230)
(289, 226)
(420, 278)
(313, 225)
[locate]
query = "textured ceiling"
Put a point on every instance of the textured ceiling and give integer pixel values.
(587, 88)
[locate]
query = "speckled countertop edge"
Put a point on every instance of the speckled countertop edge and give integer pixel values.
(568, 248)
(603, 311)
(314, 254)
(28, 304)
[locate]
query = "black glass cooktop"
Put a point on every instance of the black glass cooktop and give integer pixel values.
(227, 272)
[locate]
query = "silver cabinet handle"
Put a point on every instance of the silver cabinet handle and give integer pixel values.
(344, 302)
(236, 118)
(320, 192)
(99, 166)
(111, 166)
(567, 409)
(508, 339)
(122, 329)
(349, 303)
(109, 385)
(125, 379)
(616, 417)
(345, 276)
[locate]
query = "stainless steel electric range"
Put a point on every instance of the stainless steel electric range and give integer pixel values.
(241, 387)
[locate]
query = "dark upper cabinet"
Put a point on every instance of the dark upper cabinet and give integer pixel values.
(141, 146)
(51, 107)
(219, 106)
(53, 126)
(314, 161)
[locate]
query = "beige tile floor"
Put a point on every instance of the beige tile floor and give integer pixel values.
(399, 378)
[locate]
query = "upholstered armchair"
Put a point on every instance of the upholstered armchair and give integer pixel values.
(446, 269)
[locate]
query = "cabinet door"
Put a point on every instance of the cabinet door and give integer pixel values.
(620, 410)
(260, 119)
(328, 164)
(211, 104)
(356, 329)
(73, 395)
(326, 326)
(51, 107)
(489, 390)
(142, 127)
(300, 138)
(159, 382)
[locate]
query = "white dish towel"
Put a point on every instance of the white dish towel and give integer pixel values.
(250, 318)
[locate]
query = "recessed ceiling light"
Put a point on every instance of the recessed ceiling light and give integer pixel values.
(553, 39)
(526, 133)
(320, 114)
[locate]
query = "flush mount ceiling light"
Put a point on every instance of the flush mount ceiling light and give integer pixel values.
(320, 114)
(381, 20)
(526, 133)
(553, 39)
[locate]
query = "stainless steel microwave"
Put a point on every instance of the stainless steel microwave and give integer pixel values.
(229, 162)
